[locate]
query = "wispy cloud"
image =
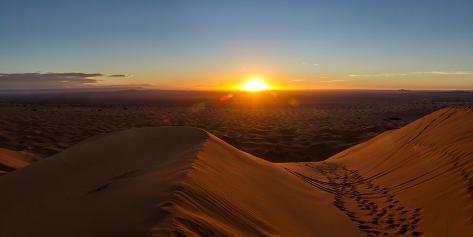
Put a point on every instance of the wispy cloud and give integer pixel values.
(120, 75)
(330, 81)
(313, 64)
(379, 75)
(446, 72)
(296, 80)
(48, 80)
(405, 74)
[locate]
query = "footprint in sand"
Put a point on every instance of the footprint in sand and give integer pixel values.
(373, 208)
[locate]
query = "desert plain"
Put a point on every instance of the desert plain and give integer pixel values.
(276, 126)
(158, 163)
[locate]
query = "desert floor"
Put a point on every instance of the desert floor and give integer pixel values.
(278, 127)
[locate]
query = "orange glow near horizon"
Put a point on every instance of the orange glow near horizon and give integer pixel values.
(255, 84)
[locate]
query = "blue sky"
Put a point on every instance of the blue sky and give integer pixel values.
(190, 44)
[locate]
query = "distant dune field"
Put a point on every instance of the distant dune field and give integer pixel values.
(276, 126)
(181, 181)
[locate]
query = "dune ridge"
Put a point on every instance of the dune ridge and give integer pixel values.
(413, 180)
(181, 181)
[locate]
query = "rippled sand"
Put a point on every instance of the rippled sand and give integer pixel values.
(284, 128)
(182, 181)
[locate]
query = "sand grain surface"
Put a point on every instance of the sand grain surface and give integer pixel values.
(181, 181)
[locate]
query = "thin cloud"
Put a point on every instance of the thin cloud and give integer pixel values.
(330, 81)
(313, 64)
(405, 74)
(380, 75)
(48, 80)
(297, 80)
(446, 73)
(120, 75)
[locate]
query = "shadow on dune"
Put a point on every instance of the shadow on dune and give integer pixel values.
(181, 181)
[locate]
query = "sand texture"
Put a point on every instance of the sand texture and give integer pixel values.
(278, 127)
(181, 181)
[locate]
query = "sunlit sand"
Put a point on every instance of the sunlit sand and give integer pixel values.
(175, 181)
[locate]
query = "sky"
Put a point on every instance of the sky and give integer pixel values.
(206, 45)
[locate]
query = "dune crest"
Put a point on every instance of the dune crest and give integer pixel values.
(180, 181)
(161, 181)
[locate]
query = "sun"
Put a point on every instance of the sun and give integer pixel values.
(255, 84)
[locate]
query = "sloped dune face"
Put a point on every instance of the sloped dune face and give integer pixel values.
(427, 166)
(417, 180)
(112, 185)
(231, 193)
(162, 182)
(177, 181)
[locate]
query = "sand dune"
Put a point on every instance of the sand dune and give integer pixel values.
(413, 180)
(180, 181)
